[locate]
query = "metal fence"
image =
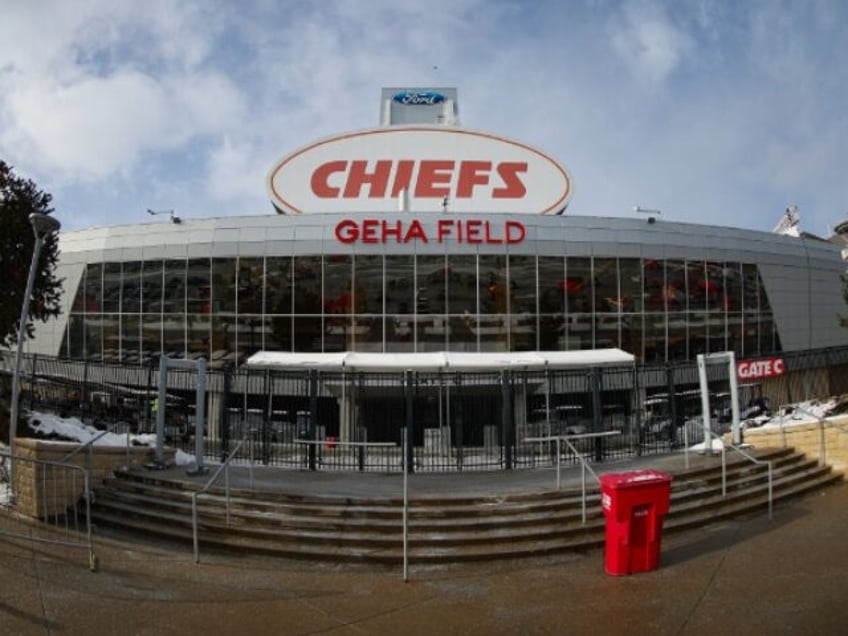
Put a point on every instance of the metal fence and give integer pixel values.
(456, 421)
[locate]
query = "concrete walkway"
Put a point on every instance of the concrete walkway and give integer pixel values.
(746, 576)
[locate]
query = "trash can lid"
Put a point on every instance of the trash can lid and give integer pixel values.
(634, 478)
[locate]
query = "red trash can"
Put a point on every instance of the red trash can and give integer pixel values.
(635, 505)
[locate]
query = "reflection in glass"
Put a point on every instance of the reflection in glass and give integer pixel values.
(223, 285)
(251, 278)
(151, 287)
(131, 288)
(174, 294)
(307, 286)
(578, 287)
(278, 285)
(112, 287)
(552, 285)
(173, 335)
(400, 279)
(199, 286)
(462, 284)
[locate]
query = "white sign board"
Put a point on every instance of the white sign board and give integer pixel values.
(439, 167)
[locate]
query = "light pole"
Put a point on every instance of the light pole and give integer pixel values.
(42, 225)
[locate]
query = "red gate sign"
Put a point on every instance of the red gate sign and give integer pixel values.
(757, 369)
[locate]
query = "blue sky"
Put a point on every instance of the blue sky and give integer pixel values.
(718, 112)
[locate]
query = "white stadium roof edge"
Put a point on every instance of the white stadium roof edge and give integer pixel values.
(442, 360)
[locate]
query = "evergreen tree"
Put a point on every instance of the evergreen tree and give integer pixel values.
(19, 198)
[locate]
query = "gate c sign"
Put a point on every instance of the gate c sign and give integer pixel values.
(757, 369)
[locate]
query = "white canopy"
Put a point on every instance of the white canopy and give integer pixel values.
(443, 360)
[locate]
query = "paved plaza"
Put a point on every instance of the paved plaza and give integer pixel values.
(748, 575)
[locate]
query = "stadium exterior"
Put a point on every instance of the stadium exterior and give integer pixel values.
(420, 237)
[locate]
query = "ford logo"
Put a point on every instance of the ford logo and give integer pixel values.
(409, 98)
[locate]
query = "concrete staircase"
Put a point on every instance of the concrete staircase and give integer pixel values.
(442, 529)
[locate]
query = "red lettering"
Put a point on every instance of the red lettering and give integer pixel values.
(415, 231)
(779, 367)
(515, 232)
(347, 231)
(472, 232)
(489, 238)
(403, 177)
(431, 177)
(358, 176)
(320, 179)
(444, 230)
(393, 232)
(513, 187)
(369, 231)
(472, 173)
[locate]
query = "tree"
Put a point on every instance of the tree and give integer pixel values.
(19, 198)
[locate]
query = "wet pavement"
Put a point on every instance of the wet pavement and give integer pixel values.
(749, 575)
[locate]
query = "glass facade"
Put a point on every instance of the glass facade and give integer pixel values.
(226, 309)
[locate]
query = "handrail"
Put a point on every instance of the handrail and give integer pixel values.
(584, 465)
(225, 466)
(82, 447)
(750, 458)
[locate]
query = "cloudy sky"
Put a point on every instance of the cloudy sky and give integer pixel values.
(712, 111)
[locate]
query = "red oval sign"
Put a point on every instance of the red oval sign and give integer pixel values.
(437, 166)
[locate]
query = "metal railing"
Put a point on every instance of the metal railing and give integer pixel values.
(361, 448)
(225, 468)
(63, 487)
(758, 462)
(584, 464)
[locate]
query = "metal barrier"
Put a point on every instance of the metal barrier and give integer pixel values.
(58, 490)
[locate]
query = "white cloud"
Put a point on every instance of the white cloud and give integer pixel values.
(648, 42)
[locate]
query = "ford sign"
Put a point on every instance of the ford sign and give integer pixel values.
(423, 98)
(431, 166)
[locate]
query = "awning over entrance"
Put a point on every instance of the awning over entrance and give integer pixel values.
(442, 360)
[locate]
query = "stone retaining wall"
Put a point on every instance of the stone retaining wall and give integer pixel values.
(45, 490)
(808, 439)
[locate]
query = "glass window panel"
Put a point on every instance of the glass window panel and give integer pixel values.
(750, 288)
(175, 286)
(94, 288)
(224, 337)
(198, 286)
(462, 284)
(400, 292)
(578, 287)
(675, 295)
(151, 287)
(151, 336)
(677, 347)
(78, 306)
(606, 331)
(338, 290)
(278, 336)
(131, 339)
(400, 332)
(493, 333)
(338, 332)
(367, 333)
(251, 278)
(76, 337)
(278, 285)
(735, 334)
(696, 285)
(732, 287)
(764, 301)
(368, 285)
(522, 284)
(523, 332)
(173, 334)
(714, 286)
(493, 290)
(93, 336)
(224, 285)
(605, 277)
(112, 287)
(751, 334)
(551, 285)
(716, 333)
(766, 334)
(430, 294)
(307, 333)
(551, 332)
(697, 326)
(249, 332)
(631, 334)
(131, 288)
(432, 333)
(111, 337)
(578, 331)
(630, 285)
(198, 328)
(655, 335)
(307, 286)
